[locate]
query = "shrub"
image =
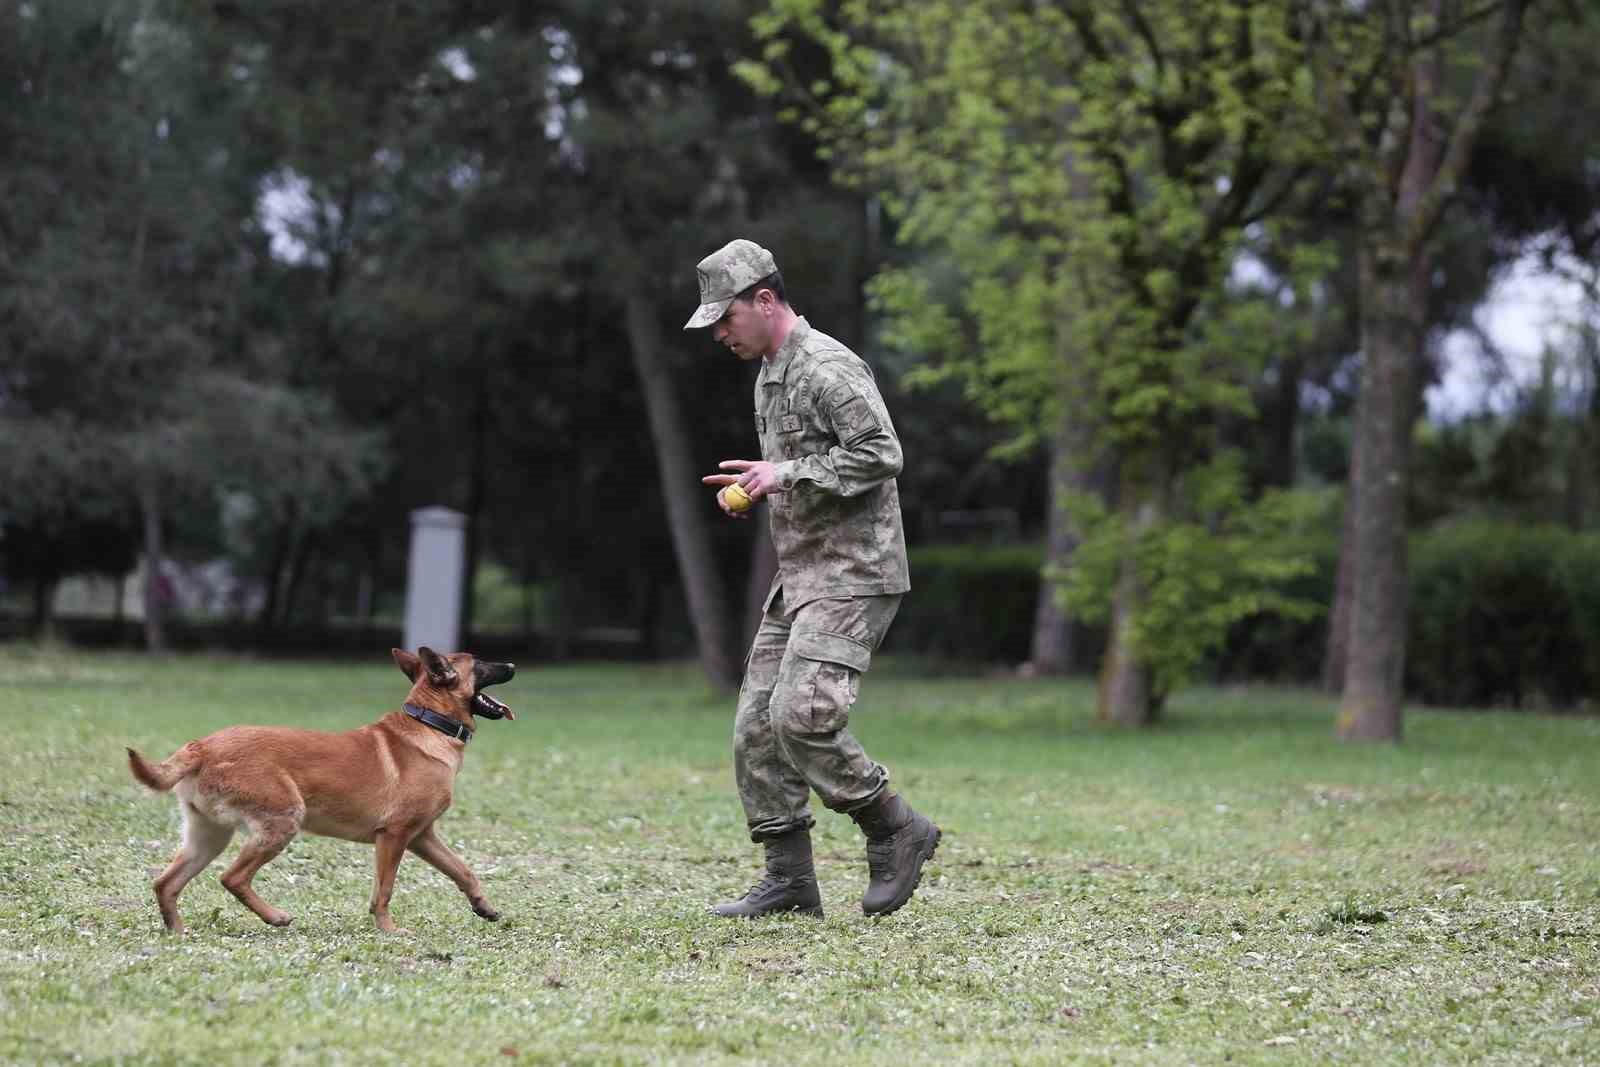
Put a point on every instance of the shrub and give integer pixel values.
(1216, 561)
(970, 602)
(1500, 614)
(1504, 614)
(1286, 649)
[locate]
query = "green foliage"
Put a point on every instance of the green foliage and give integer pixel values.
(1201, 577)
(1082, 181)
(1535, 457)
(1088, 174)
(1282, 649)
(131, 361)
(501, 601)
(1504, 613)
(970, 603)
(1500, 613)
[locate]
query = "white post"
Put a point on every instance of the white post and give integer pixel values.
(433, 579)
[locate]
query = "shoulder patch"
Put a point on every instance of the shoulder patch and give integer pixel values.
(852, 417)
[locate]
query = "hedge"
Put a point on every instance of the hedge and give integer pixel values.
(1504, 614)
(1500, 614)
(970, 603)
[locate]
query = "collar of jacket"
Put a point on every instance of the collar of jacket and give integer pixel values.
(443, 723)
(774, 369)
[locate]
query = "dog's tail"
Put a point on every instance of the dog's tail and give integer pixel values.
(169, 772)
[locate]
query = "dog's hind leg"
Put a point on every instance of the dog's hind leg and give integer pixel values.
(268, 837)
(203, 841)
(428, 845)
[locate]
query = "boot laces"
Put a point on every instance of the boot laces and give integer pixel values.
(766, 885)
(880, 856)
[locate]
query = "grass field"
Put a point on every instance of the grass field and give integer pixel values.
(1232, 887)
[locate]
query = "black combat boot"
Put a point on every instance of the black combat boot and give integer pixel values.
(899, 842)
(790, 883)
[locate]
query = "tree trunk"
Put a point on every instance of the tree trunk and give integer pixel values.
(1403, 183)
(44, 606)
(1394, 311)
(1070, 472)
(1284, 417)
(1124, 690)
(1126, 695)
(1336, 654)
(364, 584)
(299, 563)
(1051, 652)
(282, 543)
(647, 611)
(155, 637)
(1336, 657)
(477, 491)
(687, 507)
(563, 620)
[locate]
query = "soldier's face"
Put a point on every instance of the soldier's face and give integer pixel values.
(745, 329)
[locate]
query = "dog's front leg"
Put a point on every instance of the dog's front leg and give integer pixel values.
(428, 845)
(391, 846)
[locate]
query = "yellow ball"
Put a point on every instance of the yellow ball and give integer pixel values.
(735, 498)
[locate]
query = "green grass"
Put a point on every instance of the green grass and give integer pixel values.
(1234, 886)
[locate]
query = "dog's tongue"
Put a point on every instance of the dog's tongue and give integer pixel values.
(490, 708)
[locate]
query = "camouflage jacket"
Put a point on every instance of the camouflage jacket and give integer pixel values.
(822, 422)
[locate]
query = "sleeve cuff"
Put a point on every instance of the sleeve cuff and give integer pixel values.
(786, 475)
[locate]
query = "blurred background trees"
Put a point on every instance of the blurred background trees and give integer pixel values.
(274, 275)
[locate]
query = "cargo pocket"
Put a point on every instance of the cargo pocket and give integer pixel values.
(833, 690)
(835, 663)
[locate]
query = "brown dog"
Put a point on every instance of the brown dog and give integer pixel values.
(385, 783)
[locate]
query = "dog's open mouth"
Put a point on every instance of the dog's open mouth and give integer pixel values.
(489, 708)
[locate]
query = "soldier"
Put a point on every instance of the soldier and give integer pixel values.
(829, 456)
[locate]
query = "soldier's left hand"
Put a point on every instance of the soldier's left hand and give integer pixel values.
(757, 477)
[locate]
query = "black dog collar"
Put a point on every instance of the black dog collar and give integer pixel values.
(444, 724)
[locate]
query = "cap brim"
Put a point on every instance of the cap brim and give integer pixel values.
(707, 314)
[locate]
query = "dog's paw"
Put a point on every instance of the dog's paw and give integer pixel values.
(486, 912)
(279, 919)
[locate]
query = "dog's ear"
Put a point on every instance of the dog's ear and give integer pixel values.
(440, 672)
(409, 665)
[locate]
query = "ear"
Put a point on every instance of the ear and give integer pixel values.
(439, 670)
(408, 664)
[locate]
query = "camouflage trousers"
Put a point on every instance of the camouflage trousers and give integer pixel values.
(789, 735)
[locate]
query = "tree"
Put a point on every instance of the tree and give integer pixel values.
(343, 140)
(666, 156)
(120, 308)
(1406, 151)
(59, 517)
(1084, 178)
(1539, 187)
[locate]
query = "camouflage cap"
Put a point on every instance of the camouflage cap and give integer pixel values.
(726, 273)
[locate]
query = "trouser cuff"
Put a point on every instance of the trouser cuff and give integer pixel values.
(770, 828)
(850, 807)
